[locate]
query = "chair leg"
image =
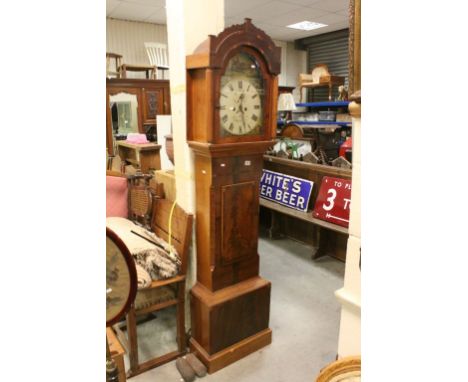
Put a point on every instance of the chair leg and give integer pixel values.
(132, 339)
(181, 317)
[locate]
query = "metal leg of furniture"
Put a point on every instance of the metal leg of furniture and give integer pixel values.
(330, 92)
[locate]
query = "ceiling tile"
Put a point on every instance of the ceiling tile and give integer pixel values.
(152, 3)
(132, 11)
(159, 17)
(344, 12)
(272, 9)
(332, 5)
(340, 25)
(111, 5)
(331, 18)
(305, 3)
(236, 7)
(296, 16)
(234, 20)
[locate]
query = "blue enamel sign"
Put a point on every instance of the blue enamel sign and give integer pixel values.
(286, 189)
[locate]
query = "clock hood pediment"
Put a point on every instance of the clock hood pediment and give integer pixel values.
(214, 51)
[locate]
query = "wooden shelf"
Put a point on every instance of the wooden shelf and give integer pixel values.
(318, 168)
(324, 104)
(311, 123)
(305, 216)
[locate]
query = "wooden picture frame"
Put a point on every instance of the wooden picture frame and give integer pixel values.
(354, 76)
(132, 275)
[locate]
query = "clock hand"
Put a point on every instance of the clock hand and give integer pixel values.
(242, 109)
(239, 103)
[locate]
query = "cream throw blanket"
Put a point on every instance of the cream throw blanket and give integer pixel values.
(153, 263)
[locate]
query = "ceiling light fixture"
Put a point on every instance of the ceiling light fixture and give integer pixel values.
(306, 25)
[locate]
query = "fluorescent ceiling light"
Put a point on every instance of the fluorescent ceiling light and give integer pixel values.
(307, 25)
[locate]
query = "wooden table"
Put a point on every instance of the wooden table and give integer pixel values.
(144, 156)
(150, 71)
(327, 81)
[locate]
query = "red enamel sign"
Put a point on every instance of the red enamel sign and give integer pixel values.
(334, 201)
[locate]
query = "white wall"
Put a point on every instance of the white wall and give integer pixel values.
(128, 37)
(293, 62)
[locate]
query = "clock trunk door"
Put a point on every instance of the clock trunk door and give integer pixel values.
(239, 221)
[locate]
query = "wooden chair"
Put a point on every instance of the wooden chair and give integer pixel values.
(157, 55)
(162, 293)
(113, 70)
(319, 77)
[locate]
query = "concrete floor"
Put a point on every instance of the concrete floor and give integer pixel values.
(304, 318)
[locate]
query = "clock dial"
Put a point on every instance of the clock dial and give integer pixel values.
(240, 107)
(241, 97)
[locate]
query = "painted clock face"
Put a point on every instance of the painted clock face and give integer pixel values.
(241, 97)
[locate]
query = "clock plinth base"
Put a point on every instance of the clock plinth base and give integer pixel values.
(230, 323)
(233, 353)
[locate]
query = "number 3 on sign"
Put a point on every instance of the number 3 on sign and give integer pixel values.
(333, 201)
(330, 199)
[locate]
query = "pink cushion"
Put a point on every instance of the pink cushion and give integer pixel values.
(116, 197)
(136, 138)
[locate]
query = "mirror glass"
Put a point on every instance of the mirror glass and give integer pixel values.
(124, 112)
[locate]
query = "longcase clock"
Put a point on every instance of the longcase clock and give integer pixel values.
(231, 111)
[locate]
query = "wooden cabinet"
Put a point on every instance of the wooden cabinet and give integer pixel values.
(152, 99)
(156, 101)
(143, 156)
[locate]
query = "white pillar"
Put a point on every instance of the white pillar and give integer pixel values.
(349, 342)
(189, 22)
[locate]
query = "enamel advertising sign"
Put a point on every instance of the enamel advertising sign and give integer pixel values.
(286, 189)
(334, 201)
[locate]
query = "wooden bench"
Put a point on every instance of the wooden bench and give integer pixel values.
(328, 237)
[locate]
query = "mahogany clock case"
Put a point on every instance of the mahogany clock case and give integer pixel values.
(230, 302)
(205, 69)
